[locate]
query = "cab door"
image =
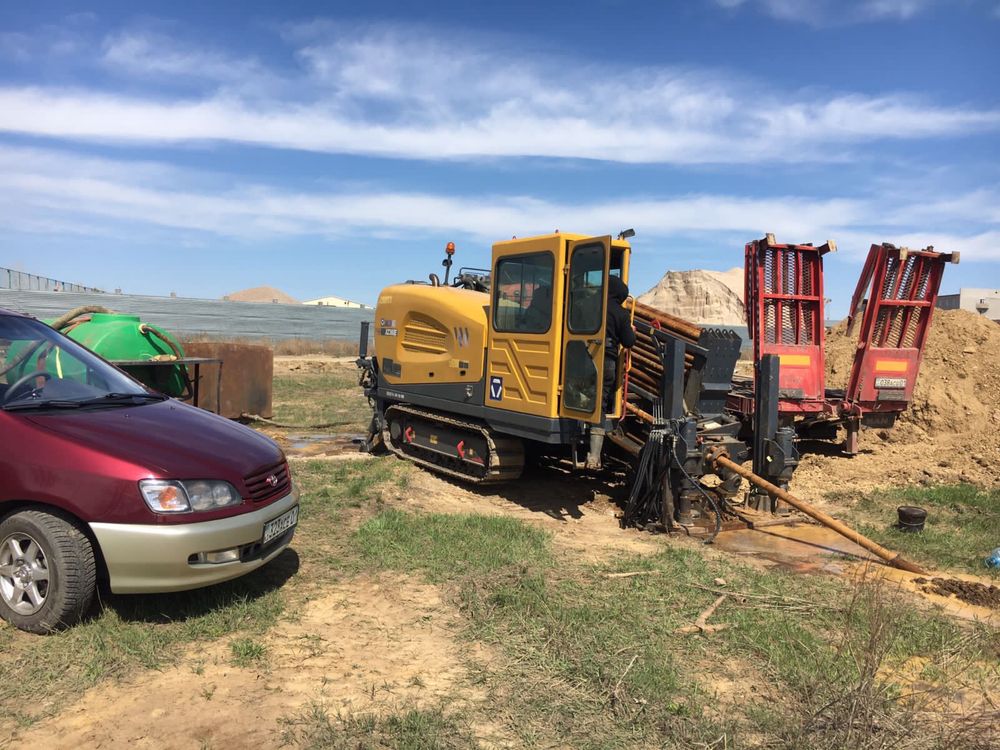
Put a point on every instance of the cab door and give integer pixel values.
(584, 321)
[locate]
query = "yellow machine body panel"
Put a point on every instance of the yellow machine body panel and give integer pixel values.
(522, 362)
(426, 334)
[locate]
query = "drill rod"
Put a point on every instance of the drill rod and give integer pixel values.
(893, 558)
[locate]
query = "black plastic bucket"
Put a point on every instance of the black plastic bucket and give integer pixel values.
(911, 518)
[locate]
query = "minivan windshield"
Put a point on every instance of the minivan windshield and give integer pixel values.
(41, 368)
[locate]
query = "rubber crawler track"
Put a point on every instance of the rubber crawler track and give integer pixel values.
(506, 454)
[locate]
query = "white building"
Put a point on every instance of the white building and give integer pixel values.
(336, 302)
(982, 301)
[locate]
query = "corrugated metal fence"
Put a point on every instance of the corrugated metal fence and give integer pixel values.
(193, 317)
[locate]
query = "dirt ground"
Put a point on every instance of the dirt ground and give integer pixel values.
(364, 646)
(373, 644)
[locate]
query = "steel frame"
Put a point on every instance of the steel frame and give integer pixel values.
(783, 291)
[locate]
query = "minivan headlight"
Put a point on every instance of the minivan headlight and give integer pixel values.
(171, 496)
(205, 495)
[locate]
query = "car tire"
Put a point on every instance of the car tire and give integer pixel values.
(48, 574)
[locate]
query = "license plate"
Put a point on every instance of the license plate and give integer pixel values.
(280, 525)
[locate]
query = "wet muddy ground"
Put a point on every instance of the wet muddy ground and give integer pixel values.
(973, 592)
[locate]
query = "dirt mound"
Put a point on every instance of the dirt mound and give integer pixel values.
(262, 294)
(951, 432)
(958, 388)
(712, 297)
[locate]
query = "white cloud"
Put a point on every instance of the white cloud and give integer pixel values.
(835, 12)
(900, 9)
(43, 190)
(674, 123)
(151, 54)
(68, 38)
(394, 92)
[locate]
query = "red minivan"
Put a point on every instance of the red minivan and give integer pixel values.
(101, 477)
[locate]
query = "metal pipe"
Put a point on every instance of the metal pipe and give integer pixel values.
(717, 457)
(644, 416)
(670, 322)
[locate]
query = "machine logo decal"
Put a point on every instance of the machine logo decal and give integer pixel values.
(496, 388)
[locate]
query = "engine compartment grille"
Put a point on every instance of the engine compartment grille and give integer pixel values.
(260, 485)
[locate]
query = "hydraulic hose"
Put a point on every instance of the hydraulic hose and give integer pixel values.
(59, 324)
(148, 330)
(63, 320)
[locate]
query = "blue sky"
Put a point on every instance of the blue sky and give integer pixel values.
(333, 148)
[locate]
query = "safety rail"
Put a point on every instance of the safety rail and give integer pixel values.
(29, 282)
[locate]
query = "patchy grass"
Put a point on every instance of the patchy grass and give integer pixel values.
(38, 674)
(329, 398)
(127, 634)
(446, 546)
(963, 525)
(247, 652)
(596, 661)
(582, 659)
(315, 729)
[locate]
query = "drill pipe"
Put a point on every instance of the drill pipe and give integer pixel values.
(646, 342)
(670, 322)
(719, 458)
(644, 416)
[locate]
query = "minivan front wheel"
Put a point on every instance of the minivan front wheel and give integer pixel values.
(47, 572)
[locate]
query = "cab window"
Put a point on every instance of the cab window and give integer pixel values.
(586, 289)
(523, 293)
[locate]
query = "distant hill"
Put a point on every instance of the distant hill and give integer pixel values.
(708, 297)
(262, 294)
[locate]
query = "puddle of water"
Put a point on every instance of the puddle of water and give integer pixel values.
(312, 444)
(809, 548)
(803, 548)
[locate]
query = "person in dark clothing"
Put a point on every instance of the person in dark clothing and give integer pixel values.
(618, 334)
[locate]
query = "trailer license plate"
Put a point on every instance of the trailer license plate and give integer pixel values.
(280, 525)
(896, 383)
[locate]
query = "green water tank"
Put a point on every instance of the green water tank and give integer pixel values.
(121, 338)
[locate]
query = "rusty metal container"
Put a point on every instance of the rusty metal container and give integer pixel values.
(247, 373)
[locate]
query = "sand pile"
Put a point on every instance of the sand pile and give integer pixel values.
(704, 297)
(262, 294)
(951, 433)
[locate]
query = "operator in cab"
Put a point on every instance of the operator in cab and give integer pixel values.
(619, 334)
